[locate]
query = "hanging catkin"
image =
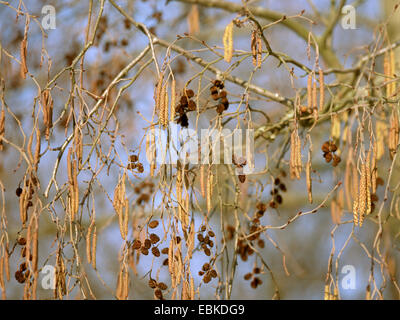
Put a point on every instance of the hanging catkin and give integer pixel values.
(256, 49)
(228, 42)
(209, 189)
(78, 145)
(2, 127)
(314, 95)
(309, 91)
(362, 205)
(308, 178)
(202, 180)
(193, 20)
(73, 184)
(173, 98)
(94, 247)
(36, 158)
(179, 191)
(392, 72)
(295, 155)
(88, 243)
(393, 133)
(157, 92)
(121, 206)
(23, 52)
(374, 169)
(47, 105)
(163, 106)
(321, 90)
(165, 123)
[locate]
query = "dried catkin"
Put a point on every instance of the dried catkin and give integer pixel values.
(23, 52)
(88, 243)
(393, 133)
(392, 73)
(192, 290)
(121, 206)
(209, 189)
(309, 91)
(165, 123)
(179, 191)
(256, 49)
(23, 205)
(335, 127)
(327, 294)
(259, 52)
(228, 42)
(193, 20)
(158, 91)
(190, 242)
(386, 71)
(2, 274)
(381, 133)
(362, 205)
(7, 263)
(173, 98)
(153, 164)
(374, 169)
(368, 181)
(2, 128)
(94, 247)
(47, 104)
(73, 184)
(321, 90)
(314, 95)
(185, 213)
(202, 180)
(35, 243)
(163, 106)
(36, 158)
(78, 145)
(308, 178)
(295, 155)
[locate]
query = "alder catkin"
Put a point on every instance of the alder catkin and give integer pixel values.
(295, 155)
(193, 20)
(392, 73)
(314, 95)
(228, 42)
(173, 98)
(2, 128)
(23, 51)
(321, 90)
(202, 180)
(158, 91)
(309, 91)
(209, 189)
(393, 133)
(308, 178)
(94, 247)
(163, 107)
(88, 243)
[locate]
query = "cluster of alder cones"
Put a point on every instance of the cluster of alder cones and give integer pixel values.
(134, 164)
(158, 288)
(23, 274)
(217, 93)
(256, 281)
(329, 148)
(147, 244)
(186, 104)
(276, 196)
(206, 242)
